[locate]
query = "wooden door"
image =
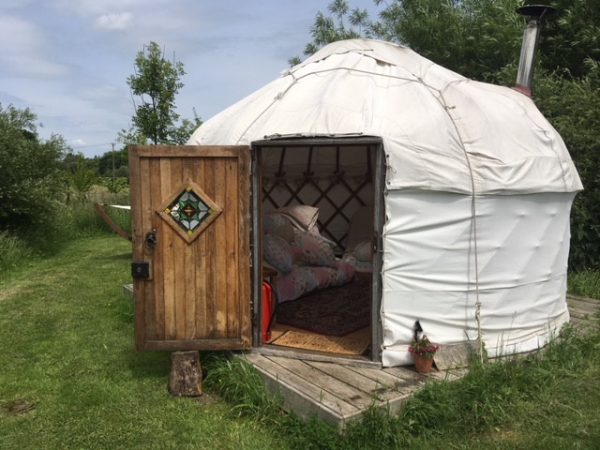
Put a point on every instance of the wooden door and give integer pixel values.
(191, 251)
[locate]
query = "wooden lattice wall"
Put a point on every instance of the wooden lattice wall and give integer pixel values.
(336, 179)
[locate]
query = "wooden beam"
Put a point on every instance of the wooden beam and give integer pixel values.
(187, 151)
(111, 223)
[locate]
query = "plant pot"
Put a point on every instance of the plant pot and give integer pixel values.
(423, 365)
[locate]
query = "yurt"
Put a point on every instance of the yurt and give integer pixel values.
(450, 197)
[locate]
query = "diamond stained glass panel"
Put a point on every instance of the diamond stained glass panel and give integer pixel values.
(188, 210)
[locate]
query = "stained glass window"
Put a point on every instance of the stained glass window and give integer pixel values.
(188, 210)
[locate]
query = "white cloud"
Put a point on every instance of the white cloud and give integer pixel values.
(115, 21)
(97, 8)
(24, 51)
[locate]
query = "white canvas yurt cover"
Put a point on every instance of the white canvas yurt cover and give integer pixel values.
(478, 190)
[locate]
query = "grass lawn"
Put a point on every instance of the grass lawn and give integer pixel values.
(70, 378)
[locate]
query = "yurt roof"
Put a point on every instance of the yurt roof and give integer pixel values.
(440, 130)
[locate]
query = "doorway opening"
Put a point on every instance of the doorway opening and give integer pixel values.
(317, 223)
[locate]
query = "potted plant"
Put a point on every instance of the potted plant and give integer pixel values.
(423, 350)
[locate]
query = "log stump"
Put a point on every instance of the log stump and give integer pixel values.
(185, 379)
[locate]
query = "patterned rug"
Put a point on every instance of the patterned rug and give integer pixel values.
(334, 311)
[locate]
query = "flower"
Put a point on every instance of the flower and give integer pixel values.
(423, 347)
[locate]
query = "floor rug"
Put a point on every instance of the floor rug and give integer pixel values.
(352, 344)
(333, 311)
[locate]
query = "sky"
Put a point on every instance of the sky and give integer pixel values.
(68, 60)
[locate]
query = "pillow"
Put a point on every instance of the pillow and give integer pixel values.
(277, 253)
(272, 221)
(363, 252)
(311, 250)
(303, 217)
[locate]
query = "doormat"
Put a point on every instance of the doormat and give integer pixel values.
(334, 311)
(352, 344)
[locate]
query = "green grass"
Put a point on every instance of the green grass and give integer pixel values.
(585, 284)
(67, 353)
(66, 222)
(70, 378)
(546, 401)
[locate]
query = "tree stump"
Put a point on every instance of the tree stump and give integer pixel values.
(185, 379)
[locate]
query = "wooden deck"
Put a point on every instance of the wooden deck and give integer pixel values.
(340, 393)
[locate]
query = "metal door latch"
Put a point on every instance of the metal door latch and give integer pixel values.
(140, 270)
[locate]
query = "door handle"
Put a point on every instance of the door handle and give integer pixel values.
(151, 239)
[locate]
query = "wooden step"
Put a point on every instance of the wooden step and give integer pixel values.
(334, 392)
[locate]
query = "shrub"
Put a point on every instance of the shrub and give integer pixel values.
(30, 176)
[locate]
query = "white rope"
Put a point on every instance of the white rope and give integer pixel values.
(473, 224)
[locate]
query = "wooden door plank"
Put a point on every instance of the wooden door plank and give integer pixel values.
(199, 263)
(292, 384)
(231, 211)
(168, 260)
(179, 247)
(326, 382)
(146, 216)
(209, 236)
(159, 251)
(190, 151)
(244, 277)
(138, 285)
(220, 268)
(189, 276)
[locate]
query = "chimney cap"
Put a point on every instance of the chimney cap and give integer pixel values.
(536, 11)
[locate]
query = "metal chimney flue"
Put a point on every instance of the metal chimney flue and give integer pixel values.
(535, 18)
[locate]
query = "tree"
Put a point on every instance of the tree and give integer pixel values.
(573, 106)
(82, 178)
(156, 83)
(473, 37)
(30, 170)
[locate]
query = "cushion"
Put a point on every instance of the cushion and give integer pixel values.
(310, 250)
(277, 253)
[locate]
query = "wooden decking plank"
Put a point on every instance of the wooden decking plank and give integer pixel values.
(584, 307)
(381, 395)
(294, 399)
(291, 385)
(592, 301)
(580, 314)
(344, 374)
(340, 393)
(388, 380)
(326, 382)
(404, 374)
(273, 350)
(448, 375)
